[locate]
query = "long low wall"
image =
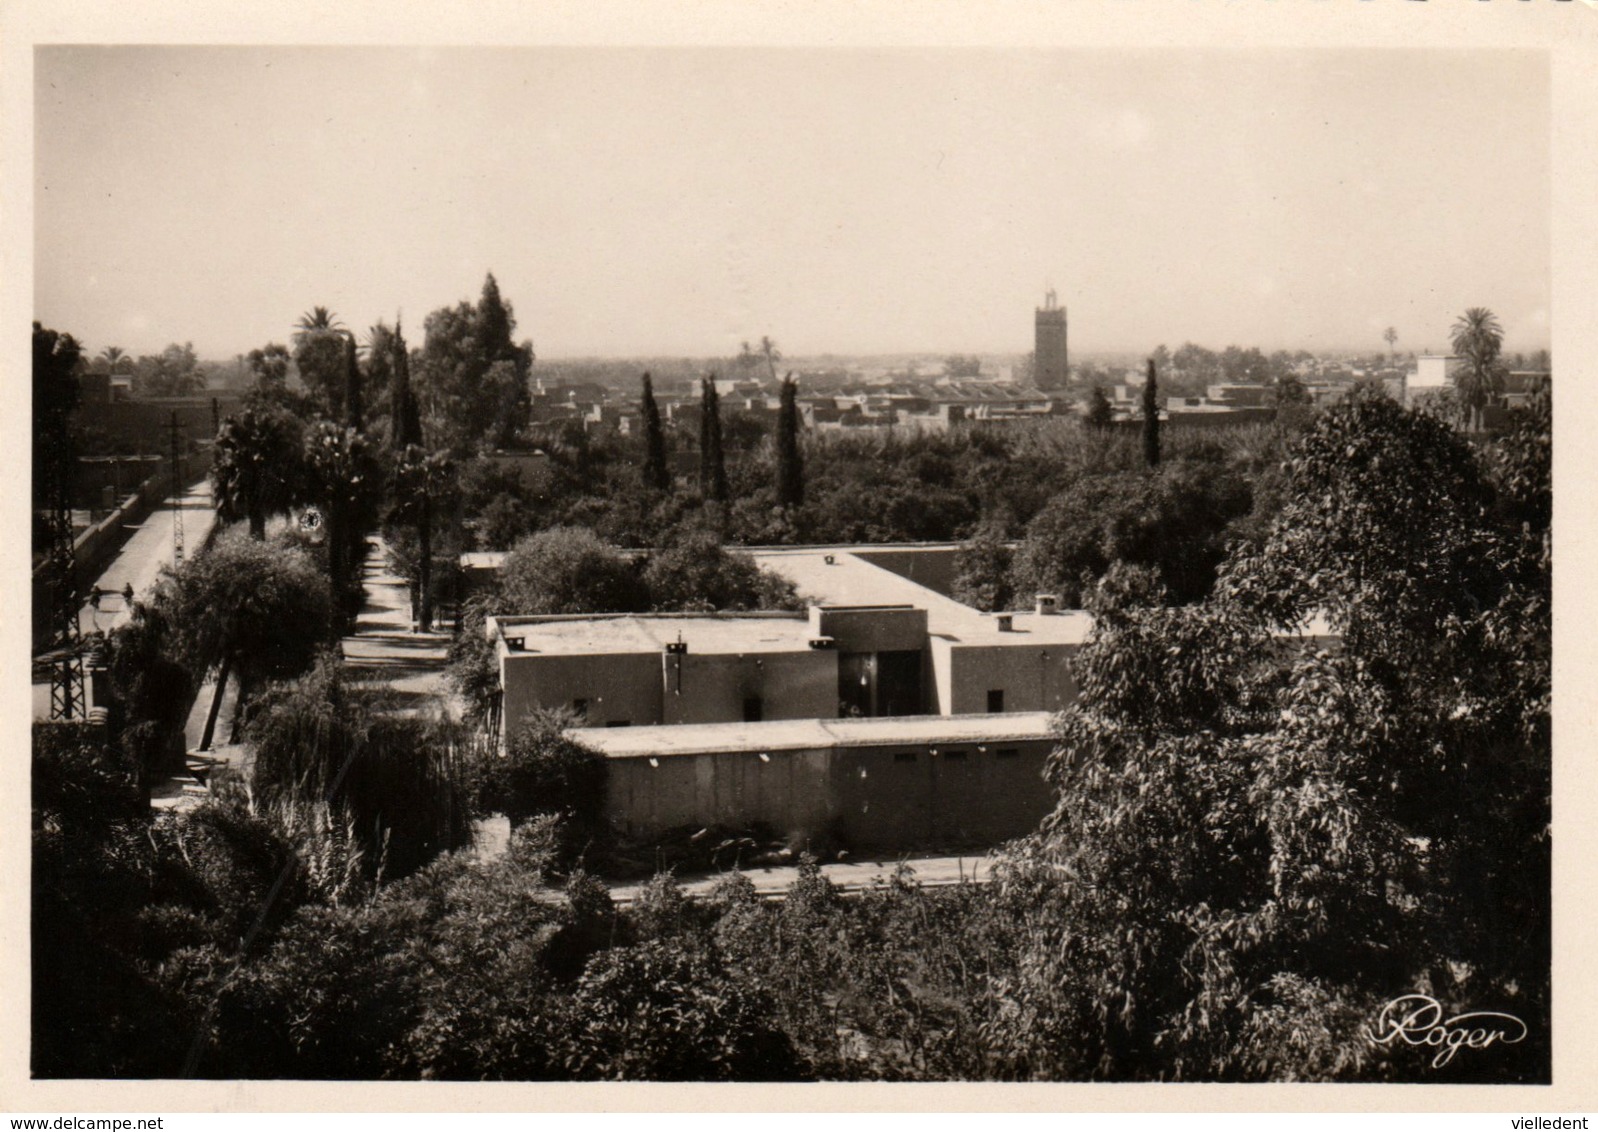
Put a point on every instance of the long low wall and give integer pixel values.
(878, 796)
(95, 548)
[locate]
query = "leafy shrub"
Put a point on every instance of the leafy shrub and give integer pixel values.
(568, 570)
(662, 1011)
(408, 784)
(697, 573)
(545, 771)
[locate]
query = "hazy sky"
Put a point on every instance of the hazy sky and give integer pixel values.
(636, 202)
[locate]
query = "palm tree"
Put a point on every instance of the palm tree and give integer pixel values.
(336, 466)
(772, 355)
(317, 320)
(114, 356)
(1390, 336)
(255, 466)
(319, 357)
(1477, 337)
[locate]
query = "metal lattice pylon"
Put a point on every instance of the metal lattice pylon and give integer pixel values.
(66, 644)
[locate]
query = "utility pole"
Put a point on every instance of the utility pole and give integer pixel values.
(177, 493)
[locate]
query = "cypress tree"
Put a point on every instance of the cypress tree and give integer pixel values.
(405, 426)
(493, 323)
(1151, 421)
(656, 474)
(712, 464)
(1099, 414)
(790, 466)
(353, 408)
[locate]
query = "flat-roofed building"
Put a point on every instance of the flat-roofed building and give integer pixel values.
(879, 639)
(651, 669)
(972, 661)
(887, 716)
(872, 784)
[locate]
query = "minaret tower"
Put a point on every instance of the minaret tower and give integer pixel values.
(1049, 362)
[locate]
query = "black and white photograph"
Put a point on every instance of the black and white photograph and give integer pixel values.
(793, 562)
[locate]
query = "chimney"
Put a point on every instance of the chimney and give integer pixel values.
(1005, 622)
(1048, 605)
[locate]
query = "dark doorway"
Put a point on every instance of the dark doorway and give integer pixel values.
(899, 683)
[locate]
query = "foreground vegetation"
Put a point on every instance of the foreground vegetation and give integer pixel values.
(1257, 840)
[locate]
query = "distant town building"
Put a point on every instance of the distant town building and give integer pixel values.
(1433, 374)
(1050, 358)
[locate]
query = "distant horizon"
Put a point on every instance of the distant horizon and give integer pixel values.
(928, 355)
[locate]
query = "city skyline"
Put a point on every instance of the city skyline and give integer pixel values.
(652, 202)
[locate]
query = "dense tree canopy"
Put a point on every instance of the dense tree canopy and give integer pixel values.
(56, 358)
(269, 365)
(1265, 841)
(174, 372)
(402, 784)
(1260, 838)
(1174, 519)
(472, 378)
